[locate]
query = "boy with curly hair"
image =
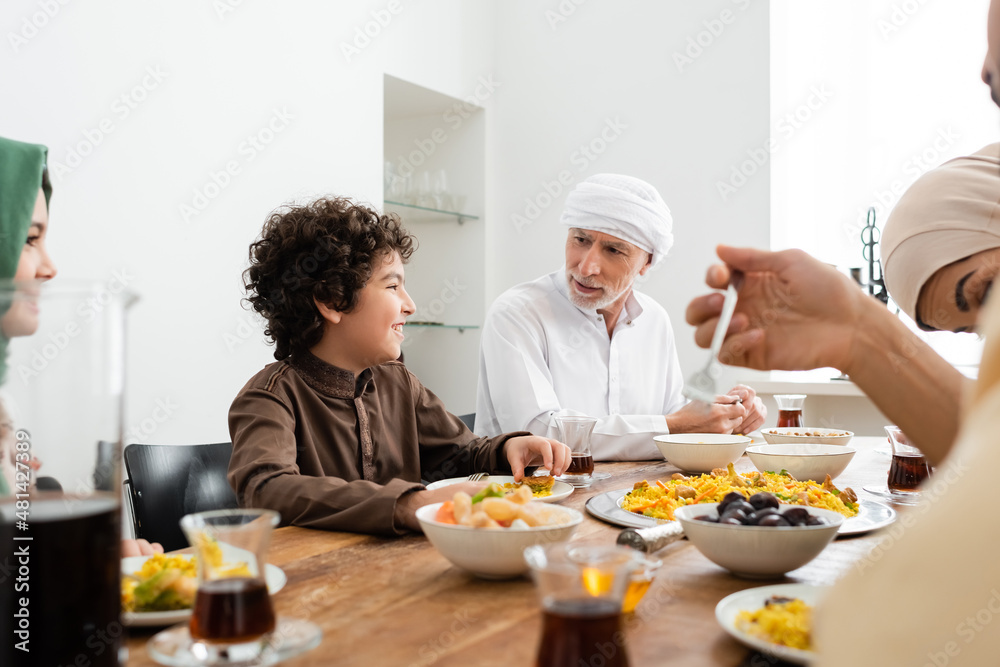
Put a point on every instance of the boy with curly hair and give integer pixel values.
(337, 434)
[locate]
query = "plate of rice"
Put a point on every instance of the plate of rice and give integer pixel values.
(173, 599)
(775, 620)
(650, 503)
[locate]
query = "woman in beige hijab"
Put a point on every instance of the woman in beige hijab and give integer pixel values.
(941, 245)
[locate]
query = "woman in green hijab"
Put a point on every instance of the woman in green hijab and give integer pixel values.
(24, 219)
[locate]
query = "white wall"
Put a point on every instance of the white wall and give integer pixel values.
(683, 127)
(192, 346)
(221, 78)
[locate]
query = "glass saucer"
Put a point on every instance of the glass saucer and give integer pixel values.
(896, 497)
(175, 647)
(600, 475)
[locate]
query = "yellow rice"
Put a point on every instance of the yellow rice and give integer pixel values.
(659, 500)
(784, 623)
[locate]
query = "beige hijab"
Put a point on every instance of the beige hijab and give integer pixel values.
(949, 213)
(929, 594)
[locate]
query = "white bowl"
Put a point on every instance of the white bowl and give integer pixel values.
(806, 461)
(758, 552)
(701, 452)
(794, 435)
(497, 553)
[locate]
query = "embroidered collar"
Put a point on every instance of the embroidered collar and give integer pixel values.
(329, 379)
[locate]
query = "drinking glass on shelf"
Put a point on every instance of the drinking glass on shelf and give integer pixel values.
(442, 198)
(790, 410)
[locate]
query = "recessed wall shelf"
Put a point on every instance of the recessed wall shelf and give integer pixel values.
(424, 214)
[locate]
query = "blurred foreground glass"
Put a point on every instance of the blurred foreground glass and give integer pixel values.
(582, 589)
(232, 604)
(233, 621)
(62, 348)
(575, 432)
(909, 468)
(790, 410)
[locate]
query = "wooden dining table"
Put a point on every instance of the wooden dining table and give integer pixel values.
(398, 602)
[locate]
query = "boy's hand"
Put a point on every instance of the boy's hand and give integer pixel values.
(529, 450)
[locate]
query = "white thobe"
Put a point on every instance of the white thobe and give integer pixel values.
(541, 356)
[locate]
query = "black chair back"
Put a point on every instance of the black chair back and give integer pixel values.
(165, 482)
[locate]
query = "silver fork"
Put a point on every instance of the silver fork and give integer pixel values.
(477, 476)
(701, 385)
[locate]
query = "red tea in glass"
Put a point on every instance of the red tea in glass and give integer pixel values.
(582, 632)
(907, 472)
(790, 418)
(580, 464)
(232, 610)
(790, 410)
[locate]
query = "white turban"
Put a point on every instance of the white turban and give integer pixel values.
(624, 207)
(949, 213)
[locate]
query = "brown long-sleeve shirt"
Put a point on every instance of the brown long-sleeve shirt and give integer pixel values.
(328, 451)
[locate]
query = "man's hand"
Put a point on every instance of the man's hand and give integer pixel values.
(696, 417)
(140, 548)
(528, 450)
(793, 313)
(756, 412)
(405, 514)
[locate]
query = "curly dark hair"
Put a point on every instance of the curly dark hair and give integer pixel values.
(327, 250)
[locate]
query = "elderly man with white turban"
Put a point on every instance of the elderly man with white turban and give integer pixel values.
(582, 341)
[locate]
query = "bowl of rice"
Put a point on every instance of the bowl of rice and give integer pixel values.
(701, 452)
(758, 552)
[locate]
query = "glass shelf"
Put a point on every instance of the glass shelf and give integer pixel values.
(460, 327)
(425, 214)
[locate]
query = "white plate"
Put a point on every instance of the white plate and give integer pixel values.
(753, 599)
(273, 574)
(607, 506)
(559, 489)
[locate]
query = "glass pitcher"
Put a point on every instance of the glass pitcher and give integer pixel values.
(62, 355)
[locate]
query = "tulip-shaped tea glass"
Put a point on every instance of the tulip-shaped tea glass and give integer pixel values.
(907, 471)
(790, 410)
(575, 432)
(582, 589)
(909, 468)
(233, 621)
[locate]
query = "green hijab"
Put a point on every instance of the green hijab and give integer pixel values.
(22, 169)
(22, 173)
